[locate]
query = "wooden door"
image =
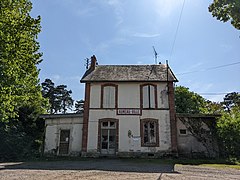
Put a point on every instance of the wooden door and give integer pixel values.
(64, 142)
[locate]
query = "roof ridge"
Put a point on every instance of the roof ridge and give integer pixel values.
(130, 73)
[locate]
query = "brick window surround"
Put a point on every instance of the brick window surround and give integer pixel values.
(149, 120)
(102, 94)
(155, 95)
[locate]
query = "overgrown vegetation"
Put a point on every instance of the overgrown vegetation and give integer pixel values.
(227, 128)
(187, 101)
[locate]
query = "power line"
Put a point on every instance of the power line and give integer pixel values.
(175, 36)
(211, 93)
(211, 68)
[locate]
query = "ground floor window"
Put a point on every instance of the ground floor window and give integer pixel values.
(108, 136)
(149, 132)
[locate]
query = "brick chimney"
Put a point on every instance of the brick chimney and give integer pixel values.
(93, 63)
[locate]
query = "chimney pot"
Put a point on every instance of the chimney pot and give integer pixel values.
(93, 63)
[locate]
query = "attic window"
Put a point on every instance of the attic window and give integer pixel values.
(109, 96)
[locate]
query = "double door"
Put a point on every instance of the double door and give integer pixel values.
(108, 138)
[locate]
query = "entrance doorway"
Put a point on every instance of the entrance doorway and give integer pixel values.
(64, 142)
(108, 137)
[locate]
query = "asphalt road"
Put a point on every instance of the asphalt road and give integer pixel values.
(110, 169)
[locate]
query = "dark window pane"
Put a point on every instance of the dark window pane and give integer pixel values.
(112, 124)
(183, 131)
(105, 124)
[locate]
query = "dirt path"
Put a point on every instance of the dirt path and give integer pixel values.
(109, 169)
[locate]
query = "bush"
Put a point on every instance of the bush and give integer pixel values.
(228, 127)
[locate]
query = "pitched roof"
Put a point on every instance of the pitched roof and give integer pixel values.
(129, 73)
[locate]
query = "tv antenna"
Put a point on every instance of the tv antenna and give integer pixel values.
(155, 54)
(86, 62)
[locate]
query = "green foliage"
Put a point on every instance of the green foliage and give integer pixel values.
(187, 101)
(228, 127)
(19, 83)
(59, 97)
(64, 96)
(79, 106)
(212, 108)
(225, 10)
(22, 138)
(21, 100)
(49, 92)
(231, 100)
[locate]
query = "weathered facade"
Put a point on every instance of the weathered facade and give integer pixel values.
(197, 135)
(129, 110)
(63, 134)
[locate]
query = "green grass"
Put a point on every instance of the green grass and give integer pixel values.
(215, 163)
(221, 166)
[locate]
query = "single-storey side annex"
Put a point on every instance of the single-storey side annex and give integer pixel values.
(63, 134)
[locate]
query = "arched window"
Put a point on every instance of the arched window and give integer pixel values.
(109, 96)
(149, 96)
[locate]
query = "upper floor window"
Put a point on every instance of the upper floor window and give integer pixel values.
(109, 96)
(149, 96)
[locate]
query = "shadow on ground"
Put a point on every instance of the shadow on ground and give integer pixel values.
(102, 164)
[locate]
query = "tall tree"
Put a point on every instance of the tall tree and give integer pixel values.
(226, 10)
(49, 92)
(187, 101)
(19, 55)
(21, 100)
(59, 97)
(64, 97)
(79, 106)
(231, 100)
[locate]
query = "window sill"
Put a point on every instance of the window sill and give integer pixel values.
(150, 145)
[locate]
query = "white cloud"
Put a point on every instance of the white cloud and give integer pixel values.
(146, 35)
(215, 98)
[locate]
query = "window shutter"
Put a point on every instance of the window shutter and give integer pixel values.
(109, 97)
(145, 97)
(152, 97)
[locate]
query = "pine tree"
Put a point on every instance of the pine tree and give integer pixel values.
(79, 106)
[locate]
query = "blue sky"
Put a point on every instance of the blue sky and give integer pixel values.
(124, 31)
